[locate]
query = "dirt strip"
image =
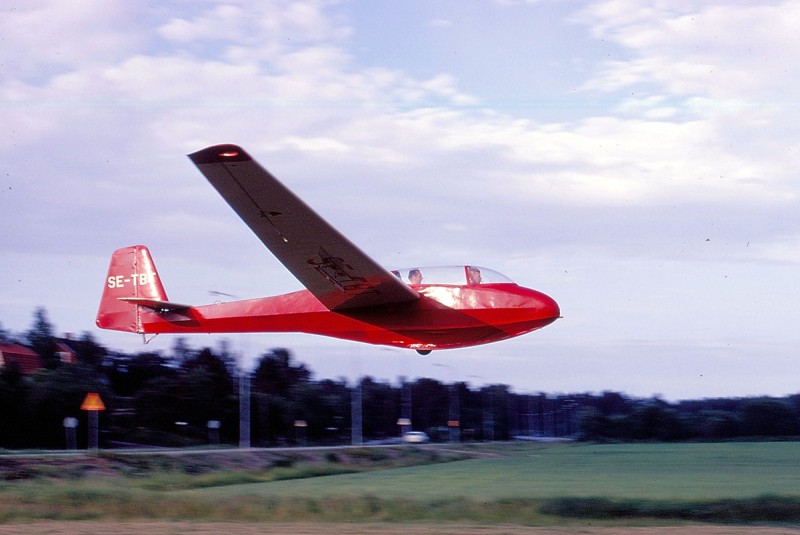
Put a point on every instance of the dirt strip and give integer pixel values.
(186, 528)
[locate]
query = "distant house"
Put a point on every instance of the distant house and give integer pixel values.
(65, 353)
(20, 357)
(27, 361)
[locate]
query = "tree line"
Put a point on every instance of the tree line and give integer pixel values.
(191, 396)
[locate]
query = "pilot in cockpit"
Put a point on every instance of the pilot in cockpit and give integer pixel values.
(474, 275)
(414, 276)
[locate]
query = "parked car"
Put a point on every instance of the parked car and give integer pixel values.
(415, 437)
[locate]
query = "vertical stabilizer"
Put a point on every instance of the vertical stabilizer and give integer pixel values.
(131, 274)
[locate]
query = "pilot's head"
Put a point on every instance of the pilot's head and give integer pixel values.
(474, 275)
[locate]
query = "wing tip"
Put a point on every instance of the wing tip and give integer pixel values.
(220, 154)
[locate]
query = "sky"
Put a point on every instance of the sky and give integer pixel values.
(636, 160)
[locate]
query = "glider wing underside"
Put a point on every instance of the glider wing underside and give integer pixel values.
(333, 269)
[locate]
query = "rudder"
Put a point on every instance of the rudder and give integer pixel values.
(131, 274)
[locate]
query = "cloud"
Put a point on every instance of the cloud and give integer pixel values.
(721, 51)
(314, 81)
(296, 92)
(256, 32)
(41, 37)
(440, 23)
(685, 132)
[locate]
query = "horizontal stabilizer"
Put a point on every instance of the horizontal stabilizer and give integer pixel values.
(156, 305)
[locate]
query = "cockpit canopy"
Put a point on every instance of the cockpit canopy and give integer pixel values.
(455, 275)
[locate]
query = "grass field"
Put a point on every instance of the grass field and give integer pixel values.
(693, 472)
(519, 483)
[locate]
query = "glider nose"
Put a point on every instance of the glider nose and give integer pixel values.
(549, 307)
(545, 311)
(538, 310)
(541, 309)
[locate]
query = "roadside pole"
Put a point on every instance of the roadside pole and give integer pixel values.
(93, 405)
(70, 425)
(244, 410)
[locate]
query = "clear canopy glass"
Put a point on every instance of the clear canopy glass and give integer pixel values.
(455, 275)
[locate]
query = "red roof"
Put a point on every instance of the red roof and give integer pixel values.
(65, 353)
(24, 357)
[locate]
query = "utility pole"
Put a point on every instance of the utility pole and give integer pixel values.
(453, 403)
(454, 422)
(488, 414)
(244, 409)
(405, 407)
(356, 435)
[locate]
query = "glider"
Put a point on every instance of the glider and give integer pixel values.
(348, 295)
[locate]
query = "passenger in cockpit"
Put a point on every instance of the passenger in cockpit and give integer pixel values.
(474, 275)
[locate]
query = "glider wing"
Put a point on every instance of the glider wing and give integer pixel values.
(333, 269)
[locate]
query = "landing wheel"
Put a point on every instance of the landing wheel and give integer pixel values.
(424, 352)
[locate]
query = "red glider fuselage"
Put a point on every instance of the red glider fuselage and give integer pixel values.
(445, 315)
(471, 316)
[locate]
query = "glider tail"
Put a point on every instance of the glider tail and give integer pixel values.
(132, 277)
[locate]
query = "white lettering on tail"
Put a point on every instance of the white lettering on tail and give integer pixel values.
(140, 279)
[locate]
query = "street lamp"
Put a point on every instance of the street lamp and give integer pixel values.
(488, 410)
(300, 431)
(404, 424)
(454, 406)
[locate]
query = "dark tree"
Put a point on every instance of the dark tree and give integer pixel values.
(277, 375)
(769, 417)
(181, 350)
(14, 414)
(207, 392)
(429, 404)
(325, 407)
(157, 407)
(612, 403)
(41, 339)
(58, 393)
(87, 350)
(276, 386)
(128, 374)
(5, 335)
(595, 425)
(381, 409)
(717, 424)
(655, 421)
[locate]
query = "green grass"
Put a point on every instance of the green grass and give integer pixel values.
(511, 483)
(629, 471)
